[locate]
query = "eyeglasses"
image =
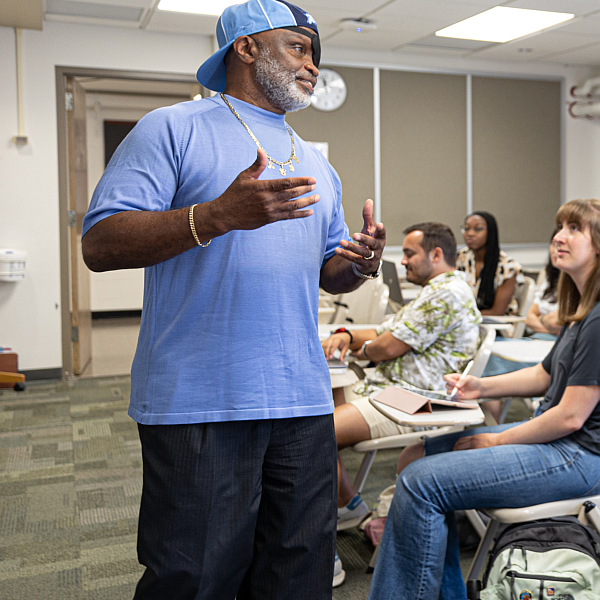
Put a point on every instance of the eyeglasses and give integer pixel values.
(464, 230)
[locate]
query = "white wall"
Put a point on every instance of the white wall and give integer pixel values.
(30, 310)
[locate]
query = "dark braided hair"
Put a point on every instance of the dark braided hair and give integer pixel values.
(552, 274)
(487, 286)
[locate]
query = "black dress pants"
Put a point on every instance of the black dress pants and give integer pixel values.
(241, 509)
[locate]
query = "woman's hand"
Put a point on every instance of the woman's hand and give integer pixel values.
(469, 388)
(483, 440)
(338, 341)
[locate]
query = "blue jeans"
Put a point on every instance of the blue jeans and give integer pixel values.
(419, 555)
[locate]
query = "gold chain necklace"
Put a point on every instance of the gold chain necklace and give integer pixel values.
(272, 161)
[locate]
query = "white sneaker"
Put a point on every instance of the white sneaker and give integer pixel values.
(338, 573)
(353, 514)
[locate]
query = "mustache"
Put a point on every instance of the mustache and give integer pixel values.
(307, 77)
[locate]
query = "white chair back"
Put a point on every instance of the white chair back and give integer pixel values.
(524, 297)
(367, 304)
(487, 336)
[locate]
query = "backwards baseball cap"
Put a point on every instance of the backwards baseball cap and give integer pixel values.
(251, 17)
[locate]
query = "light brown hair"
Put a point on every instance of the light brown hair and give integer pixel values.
(573, 306)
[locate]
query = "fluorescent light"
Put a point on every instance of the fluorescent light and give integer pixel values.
(502, 24)
(201, 7)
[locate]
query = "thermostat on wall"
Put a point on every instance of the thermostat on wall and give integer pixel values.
(12, 264)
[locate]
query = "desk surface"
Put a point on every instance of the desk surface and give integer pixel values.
(349, 377)
(440, 416)
(326, 329)
(529, 351)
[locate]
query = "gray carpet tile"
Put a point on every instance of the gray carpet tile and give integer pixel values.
(70, 486)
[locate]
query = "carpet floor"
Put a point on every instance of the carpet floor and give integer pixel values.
(70, 486)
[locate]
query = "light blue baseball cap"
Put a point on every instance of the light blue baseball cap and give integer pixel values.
(251, 17)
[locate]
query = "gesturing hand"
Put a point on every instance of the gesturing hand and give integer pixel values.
(371, 242)
(250, 203)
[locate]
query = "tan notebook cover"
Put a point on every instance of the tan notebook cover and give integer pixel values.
(413, 403)
(403, 400)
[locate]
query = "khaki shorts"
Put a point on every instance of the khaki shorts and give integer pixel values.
(379, 424)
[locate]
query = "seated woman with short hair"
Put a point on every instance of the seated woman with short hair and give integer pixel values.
(554, 456)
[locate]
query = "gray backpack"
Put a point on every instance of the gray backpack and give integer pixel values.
(556, 559)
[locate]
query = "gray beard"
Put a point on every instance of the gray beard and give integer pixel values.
(279, 84)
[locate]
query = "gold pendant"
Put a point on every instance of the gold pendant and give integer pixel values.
(282, 171)
(270, 165)
(292, 168)
(296, 159)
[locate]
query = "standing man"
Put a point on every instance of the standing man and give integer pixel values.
(230, 386)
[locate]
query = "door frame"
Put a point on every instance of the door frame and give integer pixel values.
(61, 74)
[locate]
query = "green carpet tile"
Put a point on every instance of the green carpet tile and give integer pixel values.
(70, 485)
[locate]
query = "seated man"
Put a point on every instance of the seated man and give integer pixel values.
(435, 334)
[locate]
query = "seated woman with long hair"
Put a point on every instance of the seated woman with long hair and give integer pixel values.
(492, 275)
(542, 317)
(554, 456)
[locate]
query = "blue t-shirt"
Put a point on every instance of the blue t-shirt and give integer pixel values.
(228, 332)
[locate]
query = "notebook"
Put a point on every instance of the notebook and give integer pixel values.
(413, 403)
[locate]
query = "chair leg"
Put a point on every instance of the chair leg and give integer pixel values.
(482, 550)
(476, 521)
(363, 471)
(504, 412)
(373, 558)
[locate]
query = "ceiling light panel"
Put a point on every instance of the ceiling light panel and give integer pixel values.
(92, 10)
(502, 24)
(199, 7)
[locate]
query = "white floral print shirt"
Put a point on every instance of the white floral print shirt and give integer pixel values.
(441, 326)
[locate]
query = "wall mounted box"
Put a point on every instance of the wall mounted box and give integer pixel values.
(12, 264)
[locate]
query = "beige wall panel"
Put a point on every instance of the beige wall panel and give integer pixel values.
(349, 133)
(423, 150)
(516, 155)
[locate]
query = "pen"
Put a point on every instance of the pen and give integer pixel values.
(461, 378)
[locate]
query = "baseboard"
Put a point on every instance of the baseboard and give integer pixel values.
(116, 314)
(39, 374)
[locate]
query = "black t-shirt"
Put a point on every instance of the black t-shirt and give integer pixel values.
(575, 360)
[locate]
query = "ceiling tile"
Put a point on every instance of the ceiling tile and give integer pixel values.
(450, 43)
(448, 12)
(589, 56)
(380, 39)
(583, 25)
(137, 3)
(93, 10)
(541, 45)
(577, 7)
(175, 22)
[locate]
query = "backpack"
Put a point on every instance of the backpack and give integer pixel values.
(557, 558)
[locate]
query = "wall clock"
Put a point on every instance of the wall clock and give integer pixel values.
(330, 91)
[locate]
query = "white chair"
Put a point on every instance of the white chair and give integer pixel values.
(524, 296)
(586, 509)
(487, 335)
(365, 305)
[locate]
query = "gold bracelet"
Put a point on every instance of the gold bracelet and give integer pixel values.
(193, 227)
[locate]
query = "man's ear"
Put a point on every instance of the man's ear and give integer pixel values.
(436, 255)
(245, 49)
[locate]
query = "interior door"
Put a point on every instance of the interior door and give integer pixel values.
(81, 314)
